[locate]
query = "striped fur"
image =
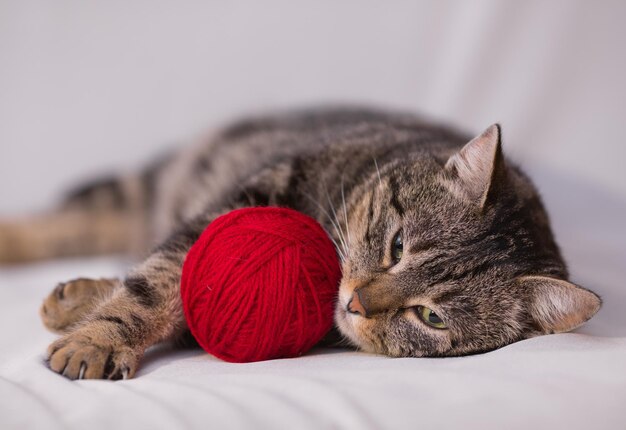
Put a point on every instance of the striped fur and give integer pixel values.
(478, 246)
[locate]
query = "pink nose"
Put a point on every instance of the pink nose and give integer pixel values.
(355, 306)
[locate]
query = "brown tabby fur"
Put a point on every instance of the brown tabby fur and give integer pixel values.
(478, 249)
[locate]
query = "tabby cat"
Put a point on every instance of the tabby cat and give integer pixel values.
(445, 246)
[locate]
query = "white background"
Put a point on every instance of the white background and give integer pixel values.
(88, 88)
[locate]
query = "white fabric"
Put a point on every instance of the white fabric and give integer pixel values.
(573, 381)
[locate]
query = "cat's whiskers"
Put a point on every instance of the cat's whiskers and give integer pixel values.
(340, 249)
(336, 222)
(244, 191)
(340, 232)
(345, 342)
(345, 213)
(380, 181)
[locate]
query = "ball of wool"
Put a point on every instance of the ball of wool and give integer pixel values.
(260, 283)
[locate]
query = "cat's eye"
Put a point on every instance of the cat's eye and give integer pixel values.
(429, 317)
(396, 247)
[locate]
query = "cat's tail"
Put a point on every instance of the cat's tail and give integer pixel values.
(107, 216)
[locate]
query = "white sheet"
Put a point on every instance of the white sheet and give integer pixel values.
(573, 381)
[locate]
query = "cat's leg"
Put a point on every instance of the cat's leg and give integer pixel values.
(144, 310)
(147, 308)
(65, 233)
(111, 215)
(70, 302)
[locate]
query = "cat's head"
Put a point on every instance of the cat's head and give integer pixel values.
(452, 255)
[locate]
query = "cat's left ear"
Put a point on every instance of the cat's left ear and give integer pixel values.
(479, 167)
(557, 305)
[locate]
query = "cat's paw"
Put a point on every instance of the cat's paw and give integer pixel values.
(81, 355)
(70, 301)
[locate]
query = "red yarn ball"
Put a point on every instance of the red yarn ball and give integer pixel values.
(260, 283)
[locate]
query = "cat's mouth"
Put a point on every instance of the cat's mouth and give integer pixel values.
(346, 320)
(345, 326)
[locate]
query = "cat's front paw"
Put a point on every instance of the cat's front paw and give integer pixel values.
(71, 301)
(80, 355)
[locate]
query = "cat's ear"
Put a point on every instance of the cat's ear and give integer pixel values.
(478, 167)
(557, 305)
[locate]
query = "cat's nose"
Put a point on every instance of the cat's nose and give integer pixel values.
(355, 306)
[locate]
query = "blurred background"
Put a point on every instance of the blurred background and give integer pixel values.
(87, 88)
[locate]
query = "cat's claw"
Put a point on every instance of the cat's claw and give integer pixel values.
(79, 356)
(81, 373)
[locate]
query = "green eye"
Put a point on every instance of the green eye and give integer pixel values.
(396, 247)
(429, 317)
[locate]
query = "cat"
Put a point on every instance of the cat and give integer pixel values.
(445, 246)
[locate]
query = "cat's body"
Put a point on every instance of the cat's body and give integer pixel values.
(446, 249)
